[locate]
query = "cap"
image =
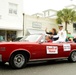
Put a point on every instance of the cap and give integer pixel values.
(60, 25)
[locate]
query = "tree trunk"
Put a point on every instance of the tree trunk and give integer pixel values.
(66, 26)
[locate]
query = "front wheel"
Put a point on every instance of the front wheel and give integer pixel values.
(72, 57)
(18, 60)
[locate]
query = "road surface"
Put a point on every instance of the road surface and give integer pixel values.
(42, 68)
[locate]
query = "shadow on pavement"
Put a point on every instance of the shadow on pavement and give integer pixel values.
(45, 63)
(37, 64)
(5, 67)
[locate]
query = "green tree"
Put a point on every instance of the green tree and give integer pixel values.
(67, 16)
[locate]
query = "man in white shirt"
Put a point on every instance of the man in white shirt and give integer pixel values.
(62, 35)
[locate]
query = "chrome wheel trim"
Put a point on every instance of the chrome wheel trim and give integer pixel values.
(19, 60)
(73, 56)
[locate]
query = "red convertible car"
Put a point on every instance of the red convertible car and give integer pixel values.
(33, 48)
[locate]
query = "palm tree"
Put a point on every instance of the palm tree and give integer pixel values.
(67, 16)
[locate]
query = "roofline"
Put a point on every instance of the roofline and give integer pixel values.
(50, 10)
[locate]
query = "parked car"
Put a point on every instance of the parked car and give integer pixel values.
(34, 48)
(18, 38)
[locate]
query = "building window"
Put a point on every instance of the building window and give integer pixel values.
(74, 27)
(36, 25)
(46, 14)
(13, 8)
(11, 35)
(2, 35)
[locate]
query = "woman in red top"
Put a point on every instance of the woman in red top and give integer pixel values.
(47, 38)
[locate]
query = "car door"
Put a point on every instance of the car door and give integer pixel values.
(53, 50)
(47, 50)
(38, 51)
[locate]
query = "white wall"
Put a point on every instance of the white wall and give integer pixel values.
(7, 21)
(19, 33)
(44, 22)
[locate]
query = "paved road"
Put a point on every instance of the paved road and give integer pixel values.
(42, 68)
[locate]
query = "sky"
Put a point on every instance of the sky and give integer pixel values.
(38, 6)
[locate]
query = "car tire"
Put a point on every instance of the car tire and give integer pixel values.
(72, 57)
(18, 60)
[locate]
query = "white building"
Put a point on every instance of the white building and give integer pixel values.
(35, 24)
(51, 13)
(11, 18)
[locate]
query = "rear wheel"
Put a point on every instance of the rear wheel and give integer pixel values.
(72, 57)
(18, 60)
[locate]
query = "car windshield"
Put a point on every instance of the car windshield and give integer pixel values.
(31, 38)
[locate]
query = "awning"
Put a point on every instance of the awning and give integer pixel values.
(35, 31)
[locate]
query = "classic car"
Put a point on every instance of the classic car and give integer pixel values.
(33, 48)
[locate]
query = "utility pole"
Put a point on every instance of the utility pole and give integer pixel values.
(23, 24)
